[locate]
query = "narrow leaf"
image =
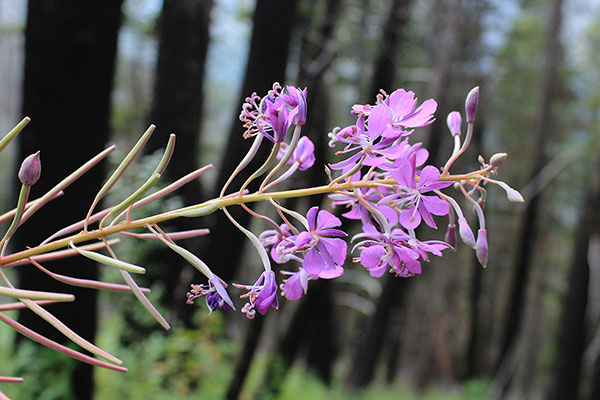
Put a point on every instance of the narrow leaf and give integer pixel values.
(111, 262)
(135, 150)
(144, 300)
(35, 295)
(88, 283)
(69, 333)
(52, 193)
(13, 133)
(36, 337)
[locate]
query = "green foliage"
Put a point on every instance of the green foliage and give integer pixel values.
(178, 365)
(32, 361)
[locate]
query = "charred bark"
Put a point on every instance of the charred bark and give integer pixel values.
(177, 108)
(70, 50)
(521, 273)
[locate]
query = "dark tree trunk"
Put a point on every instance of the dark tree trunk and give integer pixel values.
(244, 360)
(289, 346)
(313, 322)
(177, 108)
(394, 32)
(371, 341)
(472, 362)
(273, 22)
(314, 65)
(267, 61)
(573, 329)
(70, 49)
(528, 231)
(595, 389)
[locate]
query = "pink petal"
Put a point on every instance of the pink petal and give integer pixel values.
(370, 257)
(404, 174)
(331, 273)
(310, 216)
(378, 121)
(422, 116)
(435, 205)
(402, 102)
(313, 263)
(337, 248)
(325, 220)
(410, 218)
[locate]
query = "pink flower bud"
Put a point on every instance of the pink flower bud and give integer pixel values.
(30, 170)
(471, 104)
(466, 234)
(481, 247)
(454, 122)
(498, 159)
(450, 237)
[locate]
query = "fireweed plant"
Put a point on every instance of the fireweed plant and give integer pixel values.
(381, 180)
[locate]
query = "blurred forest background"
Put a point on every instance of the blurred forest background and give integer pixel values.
(90, 73)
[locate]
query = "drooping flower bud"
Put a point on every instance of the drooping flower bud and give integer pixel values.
(466, 234)
(514, 196)
(498, 159)
(471, 104)
(481, 247)
(450, 237)
(454, 122)
(30, 170)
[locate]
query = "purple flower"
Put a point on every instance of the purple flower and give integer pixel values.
(275, 119)
(216, 295)
(415, 204)
(273, 114)
(378, 144)
(404, 115)
(324, 255)
(273, 237)
(397, 252)
(367, 143)
(390, 252)
(296, 284)
(261, 296)
(303, 155)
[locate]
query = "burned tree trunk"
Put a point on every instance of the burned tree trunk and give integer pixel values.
(70, 50)
(528, 231)
(177, 108)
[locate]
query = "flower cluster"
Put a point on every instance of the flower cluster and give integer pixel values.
(384, 184)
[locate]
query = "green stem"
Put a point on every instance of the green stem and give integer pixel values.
(23, 195)
(205, 208)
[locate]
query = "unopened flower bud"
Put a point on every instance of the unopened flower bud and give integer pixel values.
(30, 170)
(514, 196)
(498, 159)
(454, 122)
(471, 104)
(466, 234)
(450, 237)
(481, 247)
